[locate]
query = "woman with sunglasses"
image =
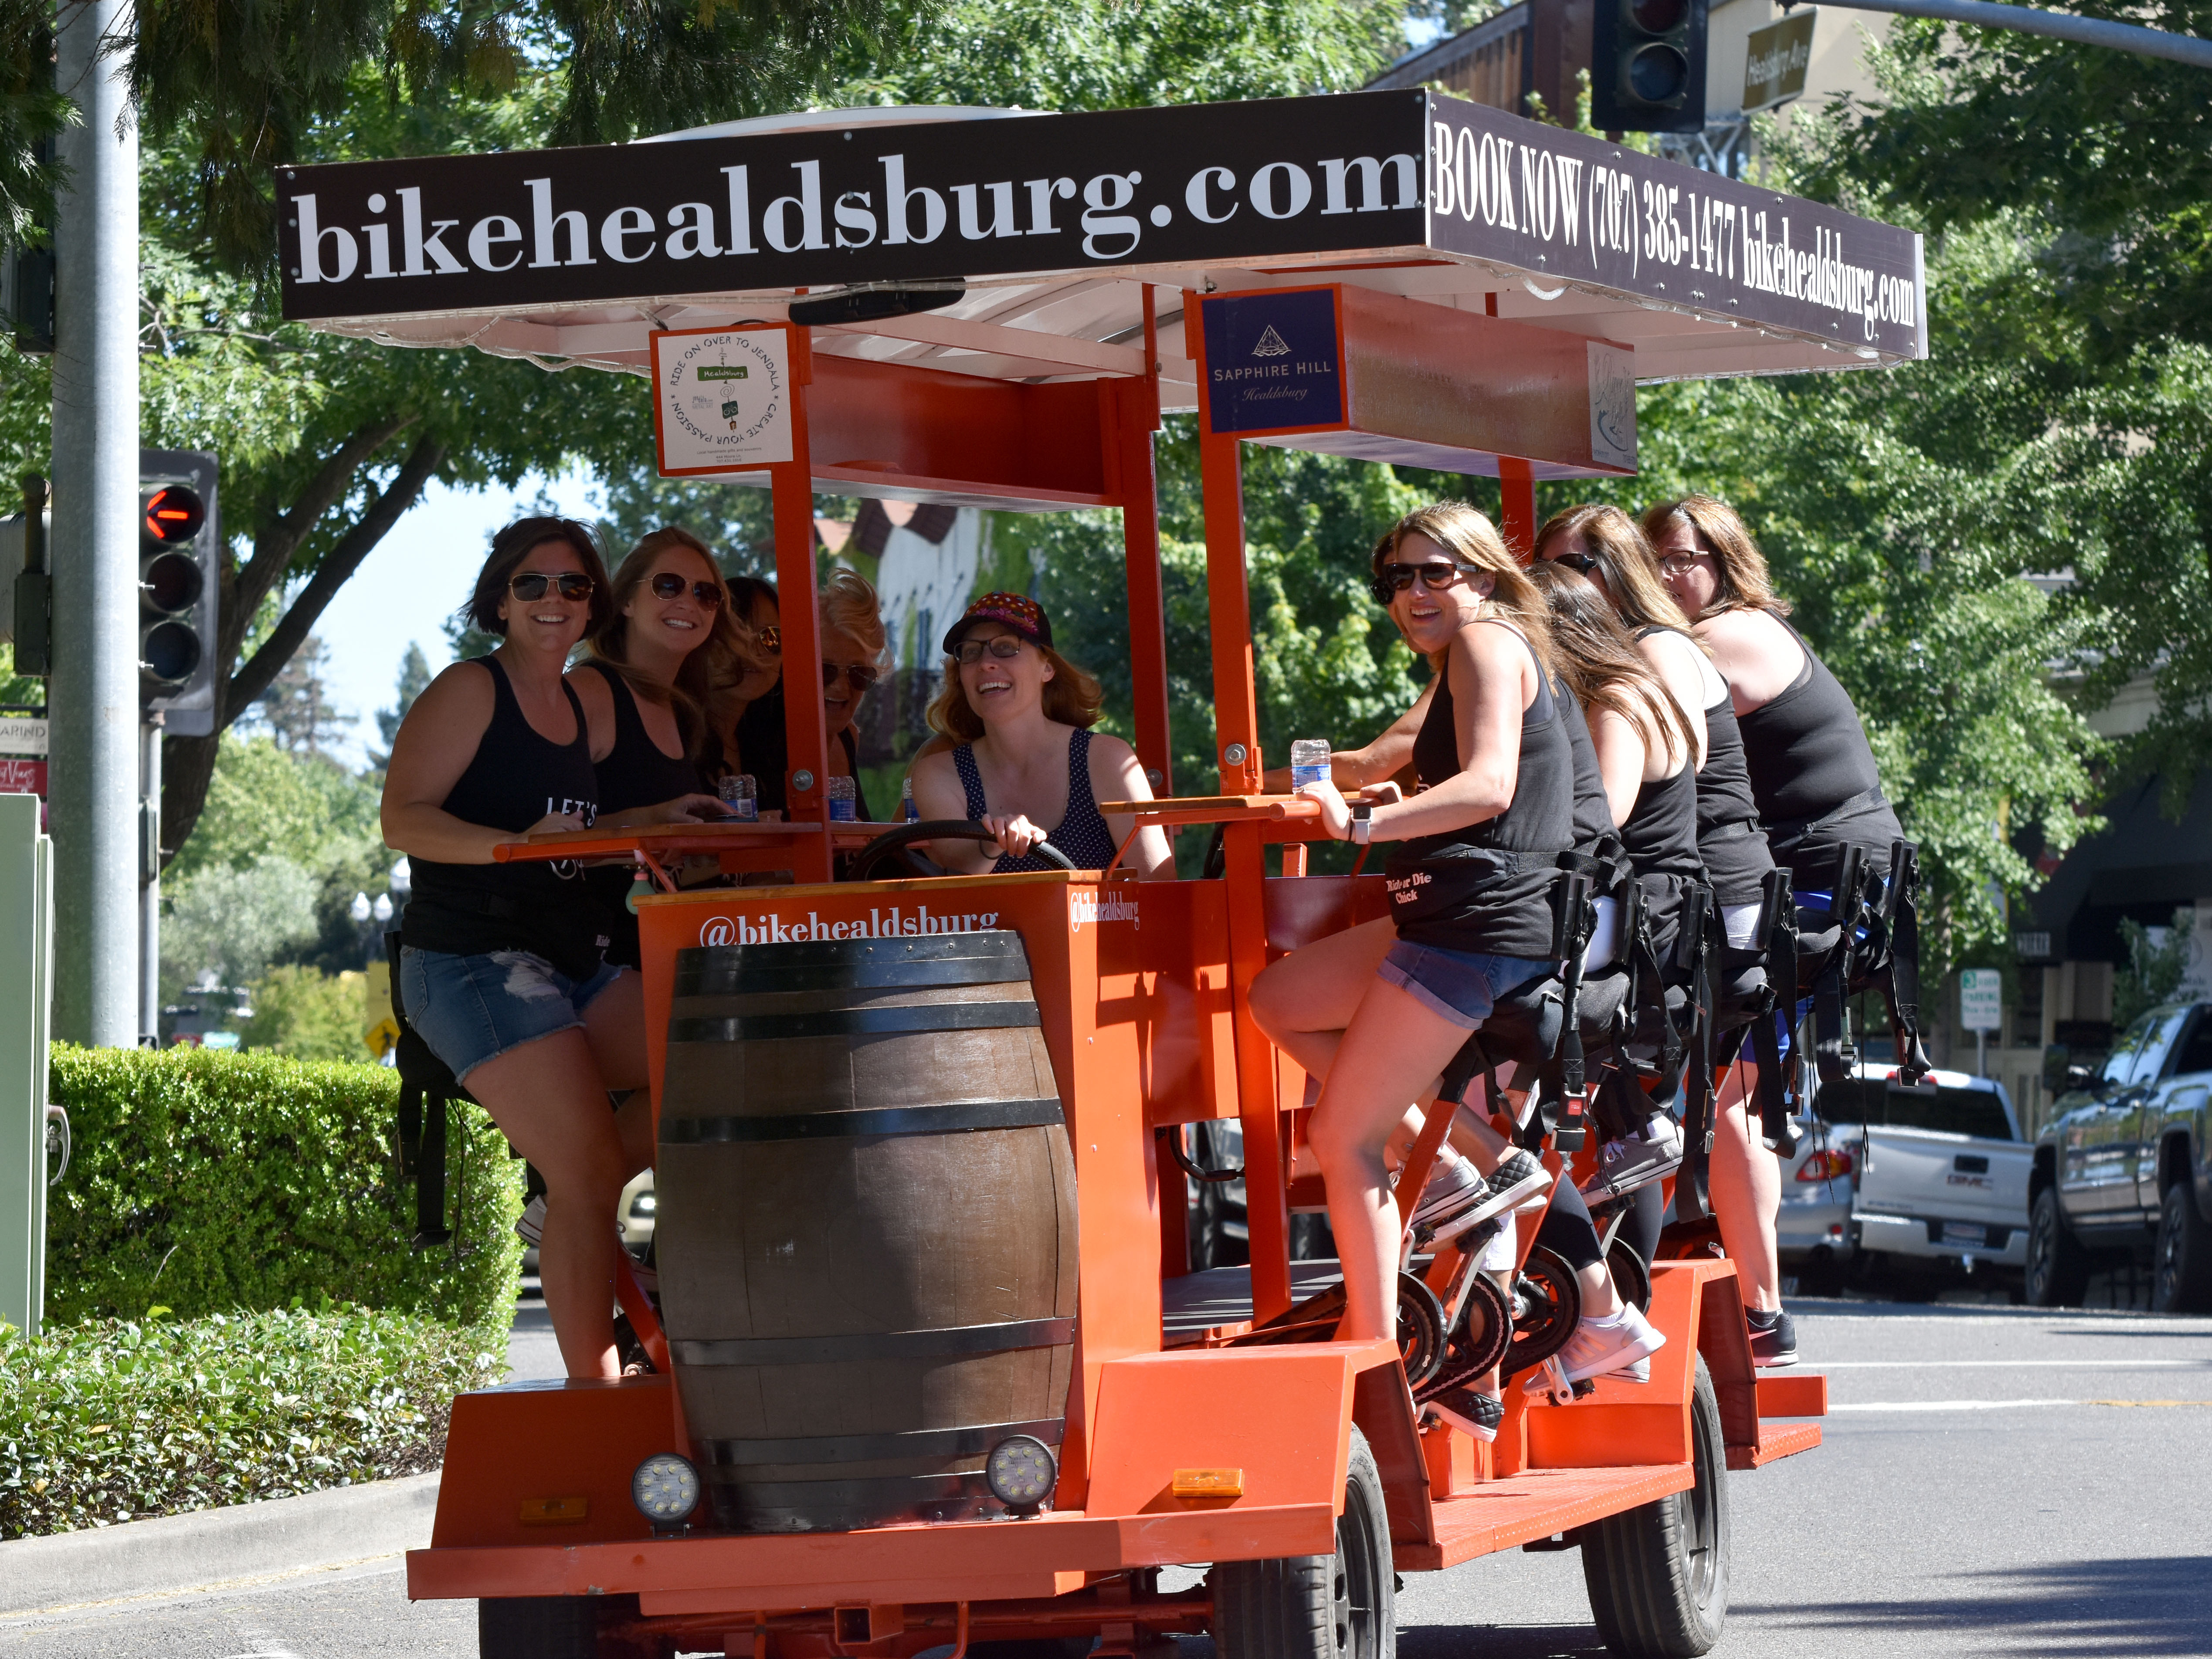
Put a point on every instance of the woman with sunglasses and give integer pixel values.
(1017, 716)
(853, 646)
(748, 710)
(502, 969)
(1377, 1011)
(653, 663)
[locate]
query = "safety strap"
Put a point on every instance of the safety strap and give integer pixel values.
(1780, 1089)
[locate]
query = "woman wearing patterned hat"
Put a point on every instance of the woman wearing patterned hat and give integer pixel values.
(1018, 714)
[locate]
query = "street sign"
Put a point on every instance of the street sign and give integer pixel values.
(1981, 998)
(1775, 60)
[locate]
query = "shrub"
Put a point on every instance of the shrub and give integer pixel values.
(214, 1183)
(118, 1419)
(308, 1014)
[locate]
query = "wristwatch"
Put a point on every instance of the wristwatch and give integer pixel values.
(1363, 823)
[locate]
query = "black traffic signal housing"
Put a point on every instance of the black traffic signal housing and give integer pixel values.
(179, 584)
(1648, 66)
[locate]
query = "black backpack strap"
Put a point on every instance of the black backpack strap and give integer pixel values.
(1779, 1088)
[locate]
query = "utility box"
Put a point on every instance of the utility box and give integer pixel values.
(26, 968)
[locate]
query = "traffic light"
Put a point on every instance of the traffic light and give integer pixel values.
(1648, 66)
(178, 579)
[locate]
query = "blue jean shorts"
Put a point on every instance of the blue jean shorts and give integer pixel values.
(473, 1008)
(1462, 986)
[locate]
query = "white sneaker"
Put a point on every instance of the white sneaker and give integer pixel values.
(1637, 1159)
(1609, 1347)
(530, 1224)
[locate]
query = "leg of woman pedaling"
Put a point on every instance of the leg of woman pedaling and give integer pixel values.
(1746, 1191)
(549, 1099)
(614, 1025)
(1393, 1048)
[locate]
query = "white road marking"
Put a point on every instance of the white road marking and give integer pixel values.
(1995, 1405)
(2092, 1363)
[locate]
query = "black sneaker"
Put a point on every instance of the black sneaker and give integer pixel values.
(1773, 1339)
(1478, 1415)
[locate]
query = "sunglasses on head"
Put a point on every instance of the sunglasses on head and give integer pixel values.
(859, 675)
(1581, 563)
(1437, 574)
(669, 585)
(1000, 645)
(531, 585)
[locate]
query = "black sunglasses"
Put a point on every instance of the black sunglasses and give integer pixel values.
(771, 638)
(1000, 645)
(1581, 563)
(530, 585)
(669, 585)
(860, 675)
(1437, 574)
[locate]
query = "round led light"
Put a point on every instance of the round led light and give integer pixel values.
(666, 1488)
(1021, 1473)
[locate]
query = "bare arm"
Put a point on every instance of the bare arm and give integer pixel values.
(1681, 668)
(434, 745)
(937, 795)
(1391, 753)
(1755, 653)
(1621, 755)
(1116, 774)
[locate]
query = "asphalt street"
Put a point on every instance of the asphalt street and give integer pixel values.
(1996, 1480)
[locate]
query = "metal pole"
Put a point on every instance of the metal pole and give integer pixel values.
(94, 689)
(149, 875)
(2059, 24)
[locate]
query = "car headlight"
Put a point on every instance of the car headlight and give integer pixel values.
(1021, 1473)
(665, 1489)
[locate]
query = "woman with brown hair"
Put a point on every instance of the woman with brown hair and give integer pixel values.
(500, 967)
(668, 638)
(1018, 716)
(1377, 1011)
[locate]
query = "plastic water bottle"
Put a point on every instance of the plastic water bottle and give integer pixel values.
(907, 810)
(843, 796)
(1309, 763)
(741, 794)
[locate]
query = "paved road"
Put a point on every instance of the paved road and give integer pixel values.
(1997, 1481)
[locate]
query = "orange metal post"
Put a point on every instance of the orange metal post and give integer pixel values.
(805, 728)
(1516, 488)
(1139, 405)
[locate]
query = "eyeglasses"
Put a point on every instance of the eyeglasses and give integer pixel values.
(1581, 563)
(1395, 579)
(771, 638)
(1000, 645)
(531, 585)
(859, 675)
(1679, 563)
(669, 585)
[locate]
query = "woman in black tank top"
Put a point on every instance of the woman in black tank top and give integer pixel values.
(499, 971)
(1377, 1011)
(669, 639)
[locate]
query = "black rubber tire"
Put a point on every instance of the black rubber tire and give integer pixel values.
(540, 1626)
(2057, 1266)
(1317, 1606)
(2181, 1271)
(1658, 1574)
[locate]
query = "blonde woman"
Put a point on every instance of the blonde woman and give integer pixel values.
(1377, 1011)
(1017, 717)
(854, 647)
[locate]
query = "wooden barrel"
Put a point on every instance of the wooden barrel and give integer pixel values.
(867, 1226)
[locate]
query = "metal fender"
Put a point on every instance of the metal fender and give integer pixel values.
(1282, 1417)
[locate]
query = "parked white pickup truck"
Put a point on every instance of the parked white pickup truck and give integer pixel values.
(1940, 1175)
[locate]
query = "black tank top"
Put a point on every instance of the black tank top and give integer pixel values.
(1812, 774)
(514, 778)
(1487, 887)
(1661, 835)
(1081, 834)
(1729, 840)
(635, 773)
(1593, 812)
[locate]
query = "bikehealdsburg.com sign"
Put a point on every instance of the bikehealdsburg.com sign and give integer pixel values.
(1113, 190)
(721, 399)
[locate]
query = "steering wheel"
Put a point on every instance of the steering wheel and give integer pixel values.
(864, 863)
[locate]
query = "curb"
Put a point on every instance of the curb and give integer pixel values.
(173, 1552)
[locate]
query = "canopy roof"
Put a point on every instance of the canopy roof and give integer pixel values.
(575, 257)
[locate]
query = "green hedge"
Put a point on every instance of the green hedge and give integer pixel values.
(116, 1420)
(213, 1183)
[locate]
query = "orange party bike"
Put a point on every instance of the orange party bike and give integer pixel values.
(931, 1368)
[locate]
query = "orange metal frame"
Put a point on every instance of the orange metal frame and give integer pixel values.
(1143, 989)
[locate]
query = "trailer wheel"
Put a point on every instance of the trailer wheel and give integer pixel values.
(2057, 1266)
(542, 1626)
(2182, 1276)
(1317, 1606)
(1658, 1574)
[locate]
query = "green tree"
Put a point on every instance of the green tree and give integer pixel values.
(414, 679)
(308, 1014)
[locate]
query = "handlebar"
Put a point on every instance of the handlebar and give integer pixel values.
(938, 829)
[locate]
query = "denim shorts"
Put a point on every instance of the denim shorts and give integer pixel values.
(473, 1008)
(1462, 986)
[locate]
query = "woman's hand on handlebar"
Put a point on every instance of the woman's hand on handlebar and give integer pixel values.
(1013, 834)
(1335, 816)
(1386, 793)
